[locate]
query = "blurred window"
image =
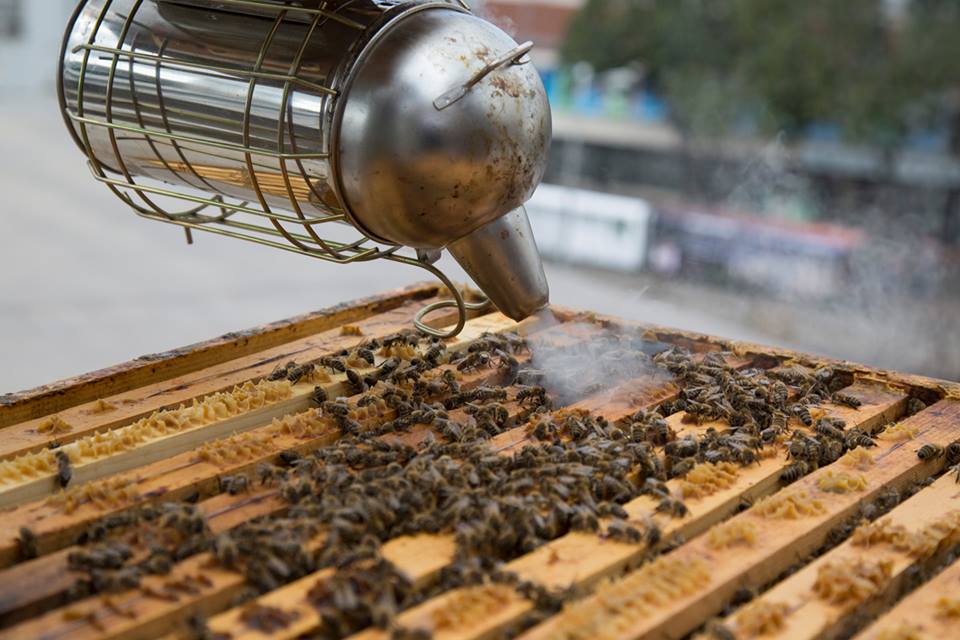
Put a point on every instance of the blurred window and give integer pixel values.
(11, 19)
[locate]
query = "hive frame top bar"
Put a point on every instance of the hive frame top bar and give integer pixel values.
(883, 396)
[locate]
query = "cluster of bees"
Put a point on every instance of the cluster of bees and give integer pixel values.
(575, 472)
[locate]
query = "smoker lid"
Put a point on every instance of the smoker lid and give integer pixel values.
(416, 174)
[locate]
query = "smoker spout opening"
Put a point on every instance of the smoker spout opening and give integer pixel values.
(502, 259)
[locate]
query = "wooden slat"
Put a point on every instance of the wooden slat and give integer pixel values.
(583, 559)
(799, 612)
(158, 616)
(225, 511)
(422, 566)
(579, 559)
(43, 582)
(183, 474)
(929, 389)
(879, 404)
(782, 542)
(929, 613)
(29, 404)
(134, 404)
(159, 447)
(424, 557)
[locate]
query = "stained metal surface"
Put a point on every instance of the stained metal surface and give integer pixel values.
(440, 174)
(503, 260)
(225, 116)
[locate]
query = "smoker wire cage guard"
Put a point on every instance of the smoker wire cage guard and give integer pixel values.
(223, 116)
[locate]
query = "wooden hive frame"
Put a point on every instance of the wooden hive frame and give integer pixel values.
(172, 427)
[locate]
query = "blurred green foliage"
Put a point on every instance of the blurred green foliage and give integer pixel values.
(783, 65)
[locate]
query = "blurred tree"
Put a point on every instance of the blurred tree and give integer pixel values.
(782, 65)
(875, 69)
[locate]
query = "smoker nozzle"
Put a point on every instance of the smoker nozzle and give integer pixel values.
(502, 259)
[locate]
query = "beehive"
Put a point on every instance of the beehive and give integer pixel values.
(571, 476)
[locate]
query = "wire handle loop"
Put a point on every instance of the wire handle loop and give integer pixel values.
(514, 56)
(462, 305)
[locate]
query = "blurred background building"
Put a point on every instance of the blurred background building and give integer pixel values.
(764, 169)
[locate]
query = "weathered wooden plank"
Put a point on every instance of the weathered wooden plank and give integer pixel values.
(932, 612)
(168, 433)
(186, 473)
(423, 557)
(47, 399)
(928, 389)
(794, 523)
(584, 559)
(842, 589)
(43, 583)
(233, 510)
(162, 616)
(565, 557)
(422, 567)
(126, 407)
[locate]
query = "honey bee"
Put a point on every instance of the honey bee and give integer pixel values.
(334, 364)
(623, 532)
(672, 507)
(319, 395)
(289, 457)
(682, 448)
(356, 381)
(802, 412)
(157, 564)
(27, 541)
(857, 438)
(112, 580)
(953, 452)
(266, 619)
(681, 467)
(506, 361)
(534, 395)
(64, 470)
(794, 471)
(158, 594)
(583, 519)
(778, 421)
(296, 372)
(280, 371)
(450, 379)
(657, 432)
(826, 427)
(769, 435)
(234, 485)
(840, 397)
(930, 451)
(779, 393)
(366, 354)
(915, 405)
(435, 353)
(474, 360)
(337, 408)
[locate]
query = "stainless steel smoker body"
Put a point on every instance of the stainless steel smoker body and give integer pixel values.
(418, 123)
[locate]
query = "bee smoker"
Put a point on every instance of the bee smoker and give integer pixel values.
(418, 123)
